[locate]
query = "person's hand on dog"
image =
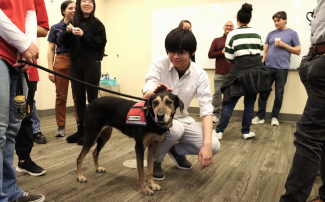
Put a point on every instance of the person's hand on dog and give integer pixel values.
(52, 77)
(77, 31)
(205, 156)
(162, 87)
(69, 28)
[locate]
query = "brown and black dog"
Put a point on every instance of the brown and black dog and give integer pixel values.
(107, 112)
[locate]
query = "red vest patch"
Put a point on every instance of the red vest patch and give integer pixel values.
(136, 114)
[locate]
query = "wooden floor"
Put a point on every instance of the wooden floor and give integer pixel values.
(252, 170)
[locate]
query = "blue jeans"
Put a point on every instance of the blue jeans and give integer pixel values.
(279, 76)
(227, 110)
(35, 120)
(9, 127)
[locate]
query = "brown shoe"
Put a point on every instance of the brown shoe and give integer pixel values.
(317, 199)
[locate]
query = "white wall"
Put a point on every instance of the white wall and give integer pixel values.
(129, 27)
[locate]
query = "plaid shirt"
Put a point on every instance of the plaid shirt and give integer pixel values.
(54, 36)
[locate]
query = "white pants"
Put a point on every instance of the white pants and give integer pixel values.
(189, 137)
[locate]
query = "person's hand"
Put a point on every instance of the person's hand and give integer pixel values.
(223, 50)
(162, 87)
(205, 156)
(18, 65)
(52, 77)
(78, 31)
(31, 54)
(279, 44)
(303, 57)
(69, 28)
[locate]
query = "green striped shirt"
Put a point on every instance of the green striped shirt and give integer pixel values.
(243, 41)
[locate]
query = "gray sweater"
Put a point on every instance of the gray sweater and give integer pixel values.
(318, 24)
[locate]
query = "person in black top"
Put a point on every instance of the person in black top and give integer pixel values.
(86, 37)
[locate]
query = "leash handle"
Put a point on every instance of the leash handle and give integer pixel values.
(76, 80)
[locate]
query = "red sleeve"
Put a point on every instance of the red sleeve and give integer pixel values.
(30, 5)
(213, 53)
(41, 13)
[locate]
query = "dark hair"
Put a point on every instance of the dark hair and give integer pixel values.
(280, 14)
(78, 15)
(244, 15)
(64, 6)
(182, 23)
(180, 39)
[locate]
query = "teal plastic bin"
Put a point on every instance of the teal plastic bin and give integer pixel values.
(107, 82)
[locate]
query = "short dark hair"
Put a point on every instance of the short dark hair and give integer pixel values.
(180, 39)
(78, 15)
(244, 15)
(182, 23)
(64, 6)
(280, 14)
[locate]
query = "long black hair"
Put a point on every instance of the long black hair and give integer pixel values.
(78, 16)
(244, 15)
(180, 39)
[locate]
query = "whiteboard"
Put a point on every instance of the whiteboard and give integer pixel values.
(208, 21)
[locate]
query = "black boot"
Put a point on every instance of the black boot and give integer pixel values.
(80, 141)
(75, 137)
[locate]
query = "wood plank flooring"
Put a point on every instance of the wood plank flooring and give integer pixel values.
(252, 170)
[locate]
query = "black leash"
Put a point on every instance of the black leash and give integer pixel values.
(76, 80)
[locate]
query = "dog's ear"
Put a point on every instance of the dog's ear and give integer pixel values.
(179, 103)
(148, 104)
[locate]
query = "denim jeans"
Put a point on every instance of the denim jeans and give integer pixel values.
(309, 137)
(227, 110)
(279, 76)
(35, 120)
(9, 127)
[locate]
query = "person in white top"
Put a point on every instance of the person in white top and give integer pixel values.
(186, 79)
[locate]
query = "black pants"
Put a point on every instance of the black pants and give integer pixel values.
(87, 70)
(24, 138)
(309, 136)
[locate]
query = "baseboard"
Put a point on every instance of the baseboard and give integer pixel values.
(239, 113)
(51, 112)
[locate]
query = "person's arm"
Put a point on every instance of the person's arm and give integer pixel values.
(152, 79)
(41, 31)
(229, 51)
(97, 41)
(66, 37)
(294, 50)
(50, 59)
(203, 94)
(12, 35)
(266, 48)
(213, 53)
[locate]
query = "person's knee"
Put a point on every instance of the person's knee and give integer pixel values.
(176, 131)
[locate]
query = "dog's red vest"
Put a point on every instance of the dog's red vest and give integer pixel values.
(136, 114)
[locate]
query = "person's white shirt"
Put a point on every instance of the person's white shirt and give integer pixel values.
(194, 82)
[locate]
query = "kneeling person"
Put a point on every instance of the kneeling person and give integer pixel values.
(184, 78)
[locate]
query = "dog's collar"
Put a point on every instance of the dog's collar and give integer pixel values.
(162, 127)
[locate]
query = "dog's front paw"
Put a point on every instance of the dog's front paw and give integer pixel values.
(147, 191)
(82, 179)
(154, 186)
(100, 170)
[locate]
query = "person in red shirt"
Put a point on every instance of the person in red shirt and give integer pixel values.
(217, 51)
(26, 134)
(18, 29)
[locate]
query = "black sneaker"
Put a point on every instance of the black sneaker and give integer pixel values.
(26, 197)
(157, 172)
(39, 138)
(180, 161)
(30, 167)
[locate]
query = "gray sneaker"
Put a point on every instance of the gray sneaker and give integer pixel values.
(60, 133)
(158, 172)
(26, 197)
